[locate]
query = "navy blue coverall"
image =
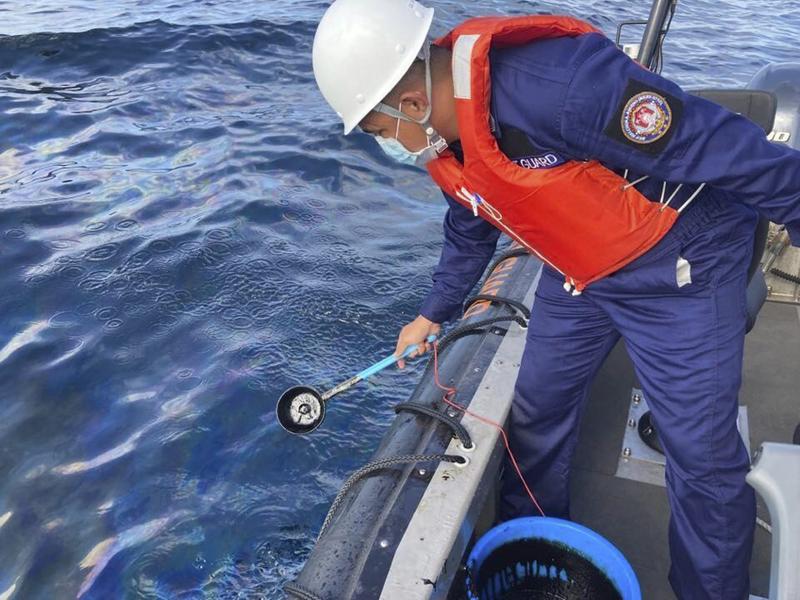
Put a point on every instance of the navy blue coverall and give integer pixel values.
(680, 308)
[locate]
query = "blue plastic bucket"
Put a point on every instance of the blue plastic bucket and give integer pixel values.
(543, 557)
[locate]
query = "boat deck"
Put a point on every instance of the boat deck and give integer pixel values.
(634, 515)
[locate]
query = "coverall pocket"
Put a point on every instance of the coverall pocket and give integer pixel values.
(721, 253)
(664, 275)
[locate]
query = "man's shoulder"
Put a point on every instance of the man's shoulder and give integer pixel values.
(552, 58)
(530, 82)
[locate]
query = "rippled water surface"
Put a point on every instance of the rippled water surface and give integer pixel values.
(183, 234)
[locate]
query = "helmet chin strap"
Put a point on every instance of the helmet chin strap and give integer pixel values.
(436, 141)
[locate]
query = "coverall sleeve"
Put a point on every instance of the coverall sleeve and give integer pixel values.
(703, 141)
(469, 243)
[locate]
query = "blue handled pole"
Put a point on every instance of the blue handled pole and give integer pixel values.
(370, 371)
(390, 360)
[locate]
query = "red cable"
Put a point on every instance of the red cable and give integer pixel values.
(449, 392)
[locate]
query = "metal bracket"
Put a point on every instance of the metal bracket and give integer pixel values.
(638, 461)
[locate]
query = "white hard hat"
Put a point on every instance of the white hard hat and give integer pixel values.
(363, 48)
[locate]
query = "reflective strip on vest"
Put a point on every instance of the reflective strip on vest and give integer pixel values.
(462, 66)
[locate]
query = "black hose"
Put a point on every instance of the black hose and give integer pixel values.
(785, 275)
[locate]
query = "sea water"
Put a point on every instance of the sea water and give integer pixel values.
(184, 233)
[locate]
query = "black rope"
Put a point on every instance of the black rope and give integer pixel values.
(509, 302)
(458, 429)
(299, 591)
(520, 251)
(785, 275)
(378, 465)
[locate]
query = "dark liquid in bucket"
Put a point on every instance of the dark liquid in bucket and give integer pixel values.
(536, 569)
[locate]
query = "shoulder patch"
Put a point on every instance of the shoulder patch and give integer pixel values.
(646, 118)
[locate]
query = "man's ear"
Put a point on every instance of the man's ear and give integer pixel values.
(415, 103)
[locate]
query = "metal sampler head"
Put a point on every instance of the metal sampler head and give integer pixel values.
(300, 409)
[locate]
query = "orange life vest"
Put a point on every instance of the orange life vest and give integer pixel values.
(578, 217)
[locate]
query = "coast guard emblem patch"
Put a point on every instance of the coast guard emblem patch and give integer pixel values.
(645, 118)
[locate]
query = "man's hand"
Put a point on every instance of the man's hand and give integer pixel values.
(415, 332)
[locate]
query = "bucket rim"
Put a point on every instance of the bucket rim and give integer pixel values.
(590, 544)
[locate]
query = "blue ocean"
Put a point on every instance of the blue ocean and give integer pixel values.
(184, 233)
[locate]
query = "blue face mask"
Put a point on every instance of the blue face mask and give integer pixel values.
(395, 150)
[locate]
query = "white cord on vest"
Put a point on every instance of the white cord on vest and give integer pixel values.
(692, 197)
(671, 196)
(633, 183)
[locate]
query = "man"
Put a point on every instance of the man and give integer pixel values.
(639, 198)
